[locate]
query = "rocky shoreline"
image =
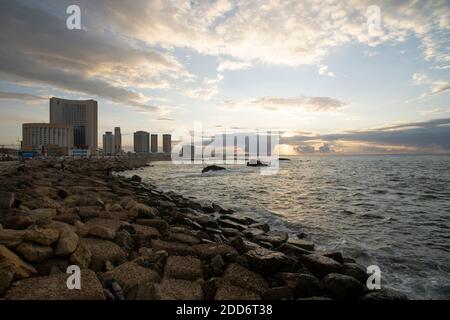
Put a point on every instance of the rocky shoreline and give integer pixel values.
(133, 241)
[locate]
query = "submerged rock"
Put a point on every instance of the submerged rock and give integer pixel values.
(212, 168)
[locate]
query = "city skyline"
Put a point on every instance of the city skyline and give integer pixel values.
(313, 70)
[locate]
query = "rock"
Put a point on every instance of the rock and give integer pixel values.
(321, 265)
(303, 244)
(356, 271)
(384, 294)
(172, 289)
(45, 237)
(51, 265)
(217, 264)
(287, 278)
(6, 276)
(212, 168)
(278, 293)
(307, 286)
(230, 292)
(260, 225)
(6, 199)
(44, 213)
(157, 223)
(54, 287)
(67, 243)
(342, 286)
(68, 217)
(335, 255)
(20, 268)
(129, 275)
(230, 224)
(143, 235)
(17, 220)
(275, 238)
(186, 268)
(34, 252)
(208, 251)
(124, 240)
(293, 251)
(11, 238)
(252, 232)
(102, 251)
(266, 261)
(239, 220)
(81, 256)
(103, 228)
(136, 178)
(239, 276)
(183, 237)
(173, 248)
(146, 212)
(89, 212)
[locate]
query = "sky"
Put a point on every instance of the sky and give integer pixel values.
(331, 76)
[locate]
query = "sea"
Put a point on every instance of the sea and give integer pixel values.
(392, 211)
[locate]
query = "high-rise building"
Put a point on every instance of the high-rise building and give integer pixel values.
(82, 115)
(141, 142)
(108, 144)
(167, 143)
(38, 136)
(117, 141)
(154, 143)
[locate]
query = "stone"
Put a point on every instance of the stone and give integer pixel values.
(303, 244)
(136, 178)
(208, 251)
(17, 220)
(342, 286)
(54, 287)
(67, 243)
(239, 276)
(81, 256)
(275, 238)
(261, 226)
(212, 167)
(6, 276)
(157, 223)
(20, 268)
(321, 265)
(173, 289)
(356, 271)
(239, 220)
(146, 212)
(88, 212)
(103, 228)
(230, 224)
(44, 213)
(68, 217)
(217, 264)
(278, 293)
(6, 199)
(34, 252)
(307, 286)
(102, 251)
(173, 248)
(143, 235)
(51, 265)
(266, 261)
(124, 240)
(11, 238)
(384, 294)
(335, 255)
(185, 268)
(293, 251)
(183, 237)
(129, 275)
(230, 292)
(45, 237)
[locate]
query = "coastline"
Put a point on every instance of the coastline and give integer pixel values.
(133, 241)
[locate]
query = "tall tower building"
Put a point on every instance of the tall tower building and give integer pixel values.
(108, 143)
(117, 141)
(141, 142)
(82, 115)
(154, 143)
(167, 143)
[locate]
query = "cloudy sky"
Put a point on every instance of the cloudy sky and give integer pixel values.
(320, 71)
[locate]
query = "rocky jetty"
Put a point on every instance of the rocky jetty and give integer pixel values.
(133, 241)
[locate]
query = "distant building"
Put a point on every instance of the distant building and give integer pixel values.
(154, 143)
(117, 141)
(167, 143)
(42, 137)
(80, 153)
(82, 115)
(108, 144)
(141, 142)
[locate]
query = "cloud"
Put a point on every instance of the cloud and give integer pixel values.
(232, 65)
(165, 119)
(420, 78)
(414, 137)
(25, 97)
(323, 70)
(276, 103)
(439, 87)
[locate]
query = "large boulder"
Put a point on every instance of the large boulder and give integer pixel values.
(103, 228)
(275, 238)
(384, 294)
(266, 261)
(185, 268)
(33, 252)
(143, 235)
(81, 256)
(103, 251)
(173, 248)
(146, 212)
(45, 237)
(174, 289)
(20, 268)
(321, 265)
(129, 275)
(6, 276)
(67, 243)
(11, 238)
(157, 223)
(229, 292)
(301, 243)
(54, 287)
(239, 276)
(342, 286)
(208, 251)
(307, 286)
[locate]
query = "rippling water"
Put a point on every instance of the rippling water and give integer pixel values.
(393, 211)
